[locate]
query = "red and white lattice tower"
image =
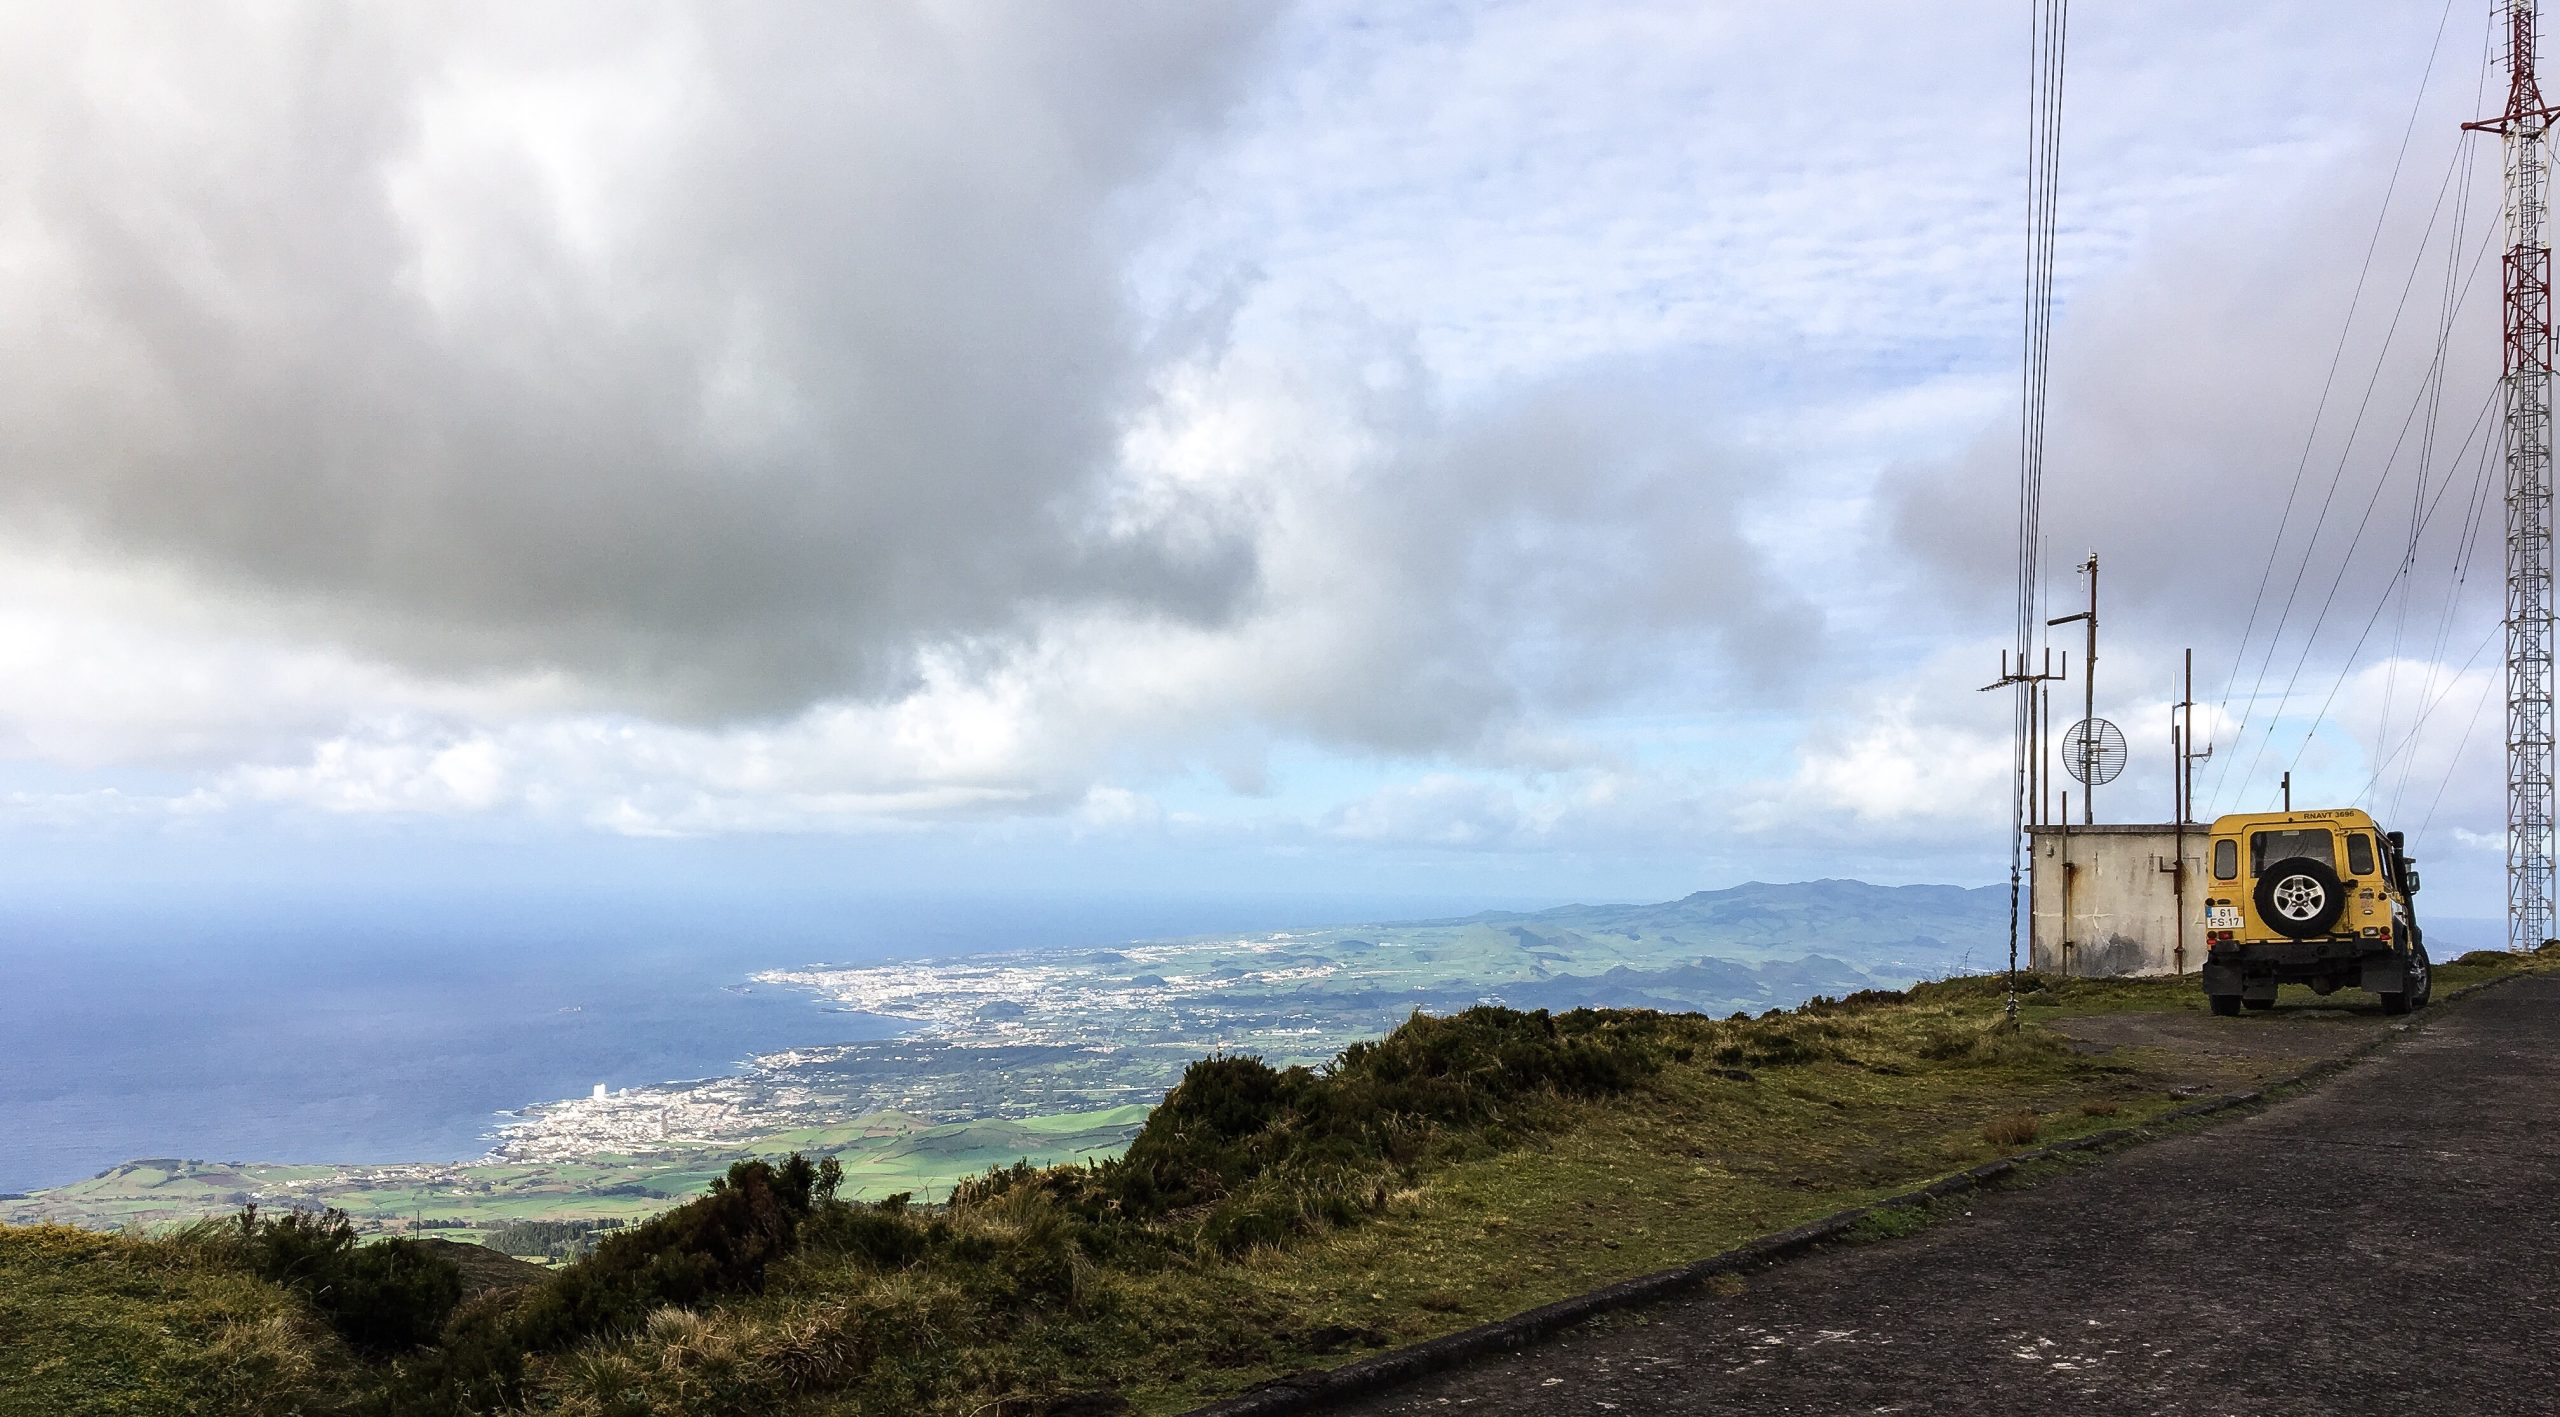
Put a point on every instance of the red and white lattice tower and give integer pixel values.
(2525, 127)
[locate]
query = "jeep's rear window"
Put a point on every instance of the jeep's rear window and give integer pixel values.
(2360, 854)
(2310, 843)
(2226, 859)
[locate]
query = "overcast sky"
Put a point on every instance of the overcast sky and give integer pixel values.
(1516, 450)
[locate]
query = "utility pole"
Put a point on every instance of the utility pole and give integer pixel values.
(2031, 781)
(2044, 719)
(2288, 791)
(2188, 753)
(2025, 789)
(2088, 698)
(2525, 128)
(2177, 756)
(2182, 787)
(2178, 849)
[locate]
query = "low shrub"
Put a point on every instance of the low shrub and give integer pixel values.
(2541, 954)
(884, 1235)
(721, 1243)
(1780, 1043)
(1891, 1222)
(1324, 1139)
(547, 1239)
(1979, 987)
(382, 1298)
(1859, 1002)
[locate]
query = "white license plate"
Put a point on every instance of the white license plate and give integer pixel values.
(2222, 917)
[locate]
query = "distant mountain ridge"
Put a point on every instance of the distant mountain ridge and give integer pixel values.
(1757, 945)
(1753, 894)
(1834, 916)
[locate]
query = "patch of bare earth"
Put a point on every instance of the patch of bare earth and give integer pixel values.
(2205, 1053)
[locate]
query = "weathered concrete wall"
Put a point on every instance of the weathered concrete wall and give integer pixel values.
(2105, 900)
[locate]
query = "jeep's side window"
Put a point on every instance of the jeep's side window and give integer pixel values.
(2226, 859)
(2360, 854)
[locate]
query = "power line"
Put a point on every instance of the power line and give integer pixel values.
(2337, 355)
(2452, 298)
(2424, 713)
(2390, 590)
(2328, 499)
(2466, 550)
(2345, 559)
(2453, 762)
(2047, 48)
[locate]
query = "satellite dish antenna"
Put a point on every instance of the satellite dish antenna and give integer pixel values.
(2093, 750)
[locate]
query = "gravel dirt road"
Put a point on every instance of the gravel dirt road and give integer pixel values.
(2386, 1243)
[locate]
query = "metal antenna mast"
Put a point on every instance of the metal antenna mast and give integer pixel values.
(2047, 47)
(2525, 127)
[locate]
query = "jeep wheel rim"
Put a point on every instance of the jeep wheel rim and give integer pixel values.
(2298, 897)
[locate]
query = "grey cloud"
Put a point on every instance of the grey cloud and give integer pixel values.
(713, 357)
(2184, 389)
(1606, 535)
(1572, 543)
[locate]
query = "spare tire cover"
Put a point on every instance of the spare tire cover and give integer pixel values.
(2299, 897)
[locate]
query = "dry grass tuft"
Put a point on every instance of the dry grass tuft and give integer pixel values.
(2011, 1129)
(275, 1359)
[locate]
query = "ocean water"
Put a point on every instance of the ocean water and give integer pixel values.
(385, 1028)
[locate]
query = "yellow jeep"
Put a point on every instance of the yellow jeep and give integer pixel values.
(2317, 898)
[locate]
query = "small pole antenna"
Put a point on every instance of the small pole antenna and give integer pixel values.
(2087, 767)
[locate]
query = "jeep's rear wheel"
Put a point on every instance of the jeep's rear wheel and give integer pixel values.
(2261, 1004)
(2224, 1005)
(2299, 897)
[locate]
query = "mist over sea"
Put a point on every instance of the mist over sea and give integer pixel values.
(386, 1027)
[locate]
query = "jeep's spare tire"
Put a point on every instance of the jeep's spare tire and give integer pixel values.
(2299, 897)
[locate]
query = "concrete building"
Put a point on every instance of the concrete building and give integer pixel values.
(2111, 899)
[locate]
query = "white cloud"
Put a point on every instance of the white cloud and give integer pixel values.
(104, 666)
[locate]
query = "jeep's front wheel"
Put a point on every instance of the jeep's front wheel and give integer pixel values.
(2224, 1005)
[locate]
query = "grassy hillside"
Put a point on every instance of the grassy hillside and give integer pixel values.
(94, 1323)
(1262, 1221)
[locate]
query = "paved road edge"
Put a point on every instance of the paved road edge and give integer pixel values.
(1309, 1391)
